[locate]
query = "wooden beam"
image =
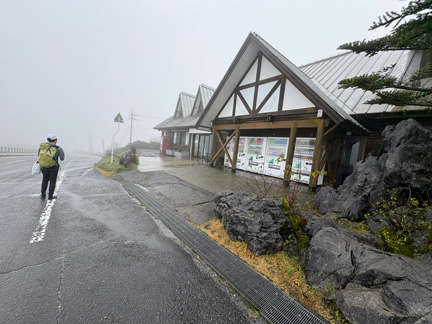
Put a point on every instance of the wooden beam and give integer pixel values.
(235, 151)
(290, 153)
(310, 123)
(330, 130)
(317, 155)
(273, 89)
(213, 147)
(223, 146)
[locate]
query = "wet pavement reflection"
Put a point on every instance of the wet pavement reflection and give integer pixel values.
(213, 179)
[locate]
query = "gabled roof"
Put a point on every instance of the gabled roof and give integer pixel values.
(184, 105)
(202, 98)
(327, 73)
(245, 57)
(188, 110)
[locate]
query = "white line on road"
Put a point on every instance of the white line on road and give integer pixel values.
(39, 233)
(82, 175)
(15, 161)
(138, 185)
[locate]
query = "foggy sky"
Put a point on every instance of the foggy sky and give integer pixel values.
(69, 67)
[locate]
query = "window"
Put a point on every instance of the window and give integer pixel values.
(187, 138)
(175, 138)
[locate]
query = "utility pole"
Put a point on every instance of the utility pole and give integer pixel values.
(90, 145)
(132, 119)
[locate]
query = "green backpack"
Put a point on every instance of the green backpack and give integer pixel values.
(47, 153)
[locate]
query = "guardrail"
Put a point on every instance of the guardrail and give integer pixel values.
(9, 149)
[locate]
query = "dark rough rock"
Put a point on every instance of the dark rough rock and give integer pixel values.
(366, 306)
(316, 223)
(130, 157)
(375, 286)
(420, 239)
(404, 164)
(376, 223)
(428, 216)
(252, 219)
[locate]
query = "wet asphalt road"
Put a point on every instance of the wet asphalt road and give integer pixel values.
(101, 258)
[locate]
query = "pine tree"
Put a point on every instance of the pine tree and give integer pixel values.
(411, 30)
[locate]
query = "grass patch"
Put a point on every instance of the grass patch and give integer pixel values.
(281, 269)
(107, 168)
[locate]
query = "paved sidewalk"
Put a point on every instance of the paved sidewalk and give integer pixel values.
(216, 179)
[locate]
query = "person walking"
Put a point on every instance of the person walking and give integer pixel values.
(48, 156)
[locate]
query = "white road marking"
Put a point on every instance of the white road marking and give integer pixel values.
(82, 175)
(15, 161)
(39, 233)
(142, 187)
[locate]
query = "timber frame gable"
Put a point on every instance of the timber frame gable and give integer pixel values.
(263, 90)
(264, 94)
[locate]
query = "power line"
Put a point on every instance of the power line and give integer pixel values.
(152, 117)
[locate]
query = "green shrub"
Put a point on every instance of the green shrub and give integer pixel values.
(403, 218)
(115, 167)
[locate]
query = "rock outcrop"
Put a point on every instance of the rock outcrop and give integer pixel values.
(371, 286)
(256, 220)
(404, 164)
(130, 157)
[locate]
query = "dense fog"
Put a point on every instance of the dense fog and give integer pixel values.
(69, 67)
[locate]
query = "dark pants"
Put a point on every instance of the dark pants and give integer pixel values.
(49, 175)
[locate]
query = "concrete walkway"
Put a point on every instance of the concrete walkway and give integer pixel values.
(216, 179)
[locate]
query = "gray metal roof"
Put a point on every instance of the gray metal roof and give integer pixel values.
(327, 73)
(185, 103)
(250, 48)
(189, 106)
(202, 98)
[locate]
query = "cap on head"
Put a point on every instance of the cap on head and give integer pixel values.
(52, 137)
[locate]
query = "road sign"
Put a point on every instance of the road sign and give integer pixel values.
(119, 118)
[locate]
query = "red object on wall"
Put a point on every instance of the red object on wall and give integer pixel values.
(164, 144)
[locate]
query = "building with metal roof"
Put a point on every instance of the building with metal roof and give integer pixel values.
(179, 130)
(268, 114)
(265, 97)
(327, 73)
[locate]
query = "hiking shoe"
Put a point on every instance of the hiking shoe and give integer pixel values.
(43, 196)
(53, 197)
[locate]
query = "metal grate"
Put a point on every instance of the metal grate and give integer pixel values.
(273, 303)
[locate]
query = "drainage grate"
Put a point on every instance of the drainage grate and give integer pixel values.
(272, 302)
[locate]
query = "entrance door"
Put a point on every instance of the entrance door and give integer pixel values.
(206, 147)
(195, 152)
(351, 152)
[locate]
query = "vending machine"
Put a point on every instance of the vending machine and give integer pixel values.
(303, 158)
(241, 157)
(241, 160)
(276, 156)
(255, 154)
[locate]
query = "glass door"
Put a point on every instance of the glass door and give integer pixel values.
(195, 146)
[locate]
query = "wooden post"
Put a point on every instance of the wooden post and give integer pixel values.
(213, 146)
(221, 141)
(235, 151)
(317, 155)
(290, 154)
